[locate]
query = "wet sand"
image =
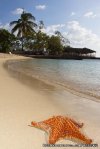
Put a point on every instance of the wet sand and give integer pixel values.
(20, 104)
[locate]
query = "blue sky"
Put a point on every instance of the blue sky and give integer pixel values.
(78, 20)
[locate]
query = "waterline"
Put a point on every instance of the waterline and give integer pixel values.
(79, 76)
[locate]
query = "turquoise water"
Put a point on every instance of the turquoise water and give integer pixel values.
(79, 75)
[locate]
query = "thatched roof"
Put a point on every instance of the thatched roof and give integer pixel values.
(78, 50)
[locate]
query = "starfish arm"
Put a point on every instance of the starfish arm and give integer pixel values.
(78, 135)
(53, 137)
(79, 125)
(40, 125)
(34, 124)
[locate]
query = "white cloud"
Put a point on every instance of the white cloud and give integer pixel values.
(1, 26)
(82, 37)
(73, 14)
(5, 26)
(17, 11)
(40, 7)
(90, 14)
(78, 35)
(50, 30)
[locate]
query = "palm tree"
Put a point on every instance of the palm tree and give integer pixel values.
(24, 26)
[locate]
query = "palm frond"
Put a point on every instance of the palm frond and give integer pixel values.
(19, 33)
(13, 23)
(30, 30)
(32, 24)
(24, 24)
(16, 27)
(27, 16)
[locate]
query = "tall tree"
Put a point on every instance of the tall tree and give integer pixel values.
(24, 26)
(41, 41)
(64, 40)
(38, 42)
(54, 45)
(6, 40)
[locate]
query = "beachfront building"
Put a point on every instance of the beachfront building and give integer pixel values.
(82, 52)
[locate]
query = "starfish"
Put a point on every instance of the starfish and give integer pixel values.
(61, 127)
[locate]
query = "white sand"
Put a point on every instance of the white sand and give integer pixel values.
(20, 104)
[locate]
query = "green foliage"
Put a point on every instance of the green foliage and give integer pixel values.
(41, 41)
(29, 41)
(32, 37)
(24, 26)
(37, 42)
(6, 40)
(54, 45)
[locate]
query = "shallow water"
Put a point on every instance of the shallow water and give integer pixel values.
(80, 75)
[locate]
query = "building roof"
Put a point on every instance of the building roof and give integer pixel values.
(78, 50)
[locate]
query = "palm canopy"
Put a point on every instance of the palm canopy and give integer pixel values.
(24, 25)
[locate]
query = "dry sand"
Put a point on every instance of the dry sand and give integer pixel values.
(20, 104)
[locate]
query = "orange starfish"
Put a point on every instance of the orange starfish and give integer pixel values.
(60, 127)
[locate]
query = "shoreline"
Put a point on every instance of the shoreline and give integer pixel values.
(20, 75)
(20, 104)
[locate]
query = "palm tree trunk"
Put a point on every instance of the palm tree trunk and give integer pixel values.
(22, 43)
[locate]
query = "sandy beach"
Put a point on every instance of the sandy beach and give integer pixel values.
(21, 104)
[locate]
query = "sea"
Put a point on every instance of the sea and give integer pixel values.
(81, 76)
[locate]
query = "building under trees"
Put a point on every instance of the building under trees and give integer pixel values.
(80, 52)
